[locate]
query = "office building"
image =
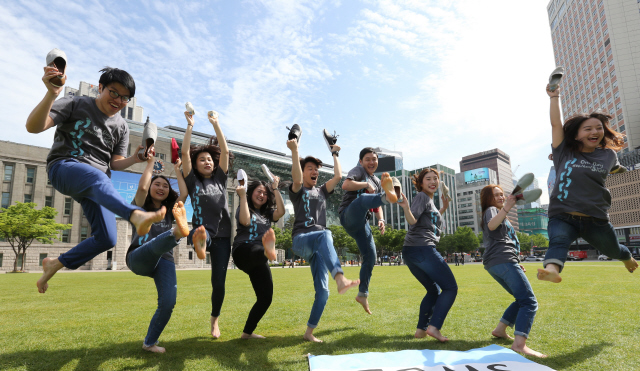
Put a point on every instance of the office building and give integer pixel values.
(469, 184)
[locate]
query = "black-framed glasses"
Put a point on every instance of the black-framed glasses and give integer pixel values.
(115, 95)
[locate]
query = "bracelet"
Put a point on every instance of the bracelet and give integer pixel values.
(381, 220)
(555, 96)
(337, 153)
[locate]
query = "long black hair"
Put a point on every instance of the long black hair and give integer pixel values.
(271, 198)
(213, 149)
(168, 202)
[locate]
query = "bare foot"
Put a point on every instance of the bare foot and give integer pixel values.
(364, 302)
(527, 351)
(501, 334)
(269, 243)
(308, 336)
(420, 333)
(180, 216)
(630, 264)
(435, 333)
(200, 242)
(153, 349)
(387, 185)
(142, 220)
(251, 336)
(344, 284)
(215, 330)
(550, 275)
(49, 267)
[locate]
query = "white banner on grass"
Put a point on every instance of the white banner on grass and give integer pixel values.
(491, 358)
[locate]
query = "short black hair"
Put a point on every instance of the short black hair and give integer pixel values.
(366, 150)
(303, 161)
(111, 75)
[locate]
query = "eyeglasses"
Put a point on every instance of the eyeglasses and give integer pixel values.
(115, 95)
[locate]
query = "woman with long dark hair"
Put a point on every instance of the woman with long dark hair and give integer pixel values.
(260, 205)
(422, 258)
(583, 153)
(206, 168)
(151, 254)
(500, 259)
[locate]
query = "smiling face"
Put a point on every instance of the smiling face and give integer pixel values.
(204, 164)
(430, 183)
(259, 196)
(590, 133)
(370, 163)
(106, 103)
(310, 174)
(498, 197)
(159, 190)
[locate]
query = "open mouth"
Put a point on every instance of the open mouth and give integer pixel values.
(314, 178)
(593, 139)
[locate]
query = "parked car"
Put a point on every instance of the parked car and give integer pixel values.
(571, 257)
(533, 259)
(603, 257)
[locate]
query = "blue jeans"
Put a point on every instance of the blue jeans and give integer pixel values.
(219, 249)
(146, 261)
(100, 203)
(565, 228)
(354, 220)
(430, 269)
(522, 311)
(317, 248)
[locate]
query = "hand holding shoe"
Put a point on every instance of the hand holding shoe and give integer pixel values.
(241, 191)
(189, 118)
(49, 73)
(292, 144)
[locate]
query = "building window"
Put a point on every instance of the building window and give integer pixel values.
(67, 205)
(8, 173)
(31, 174)
(606, 42)
(620, 117)
(27, 198)
(161, 156)
(130, 113)
(48, 201)
(1, 259)
(42, 257)
(123, 113)
(618, 106)
(6, 199)
(190, 255)
(83, 233)
(621, 128)
(65, 236)
(48, 181)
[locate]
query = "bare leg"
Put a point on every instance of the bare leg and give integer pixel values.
(420, 333)
(435, 333)
(153, 349)
(269, 243)
(215, 330)
(551, 273)
(630, 264)
(180, 215)
(364, 302)
(251, 336)
(387, 185)
(308, 336)
(501, 331)
(520, 346)
(142, 220)
(344, 284)
(49, 267)
(200, 242)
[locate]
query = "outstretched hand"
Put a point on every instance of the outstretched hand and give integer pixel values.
(381, 226)
(241, 191)
(292, 144)
(405, 202)
(555, 93)
(189, 118)
(276, 181)
(49, 73)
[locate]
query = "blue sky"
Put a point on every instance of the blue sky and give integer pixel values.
(437, 80)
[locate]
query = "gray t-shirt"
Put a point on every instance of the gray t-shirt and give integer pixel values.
(580, 178)
(209, 200)
(86, 134)
(260, 224)
(428, 225)
(359, 174)
(500, 245)
(156, 230)
(310, 208)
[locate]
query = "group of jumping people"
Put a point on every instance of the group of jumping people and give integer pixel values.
(91, 138)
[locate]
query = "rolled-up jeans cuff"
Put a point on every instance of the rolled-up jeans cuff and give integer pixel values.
(363, 294)
(557, 262)
(312, 326)
(519, 333)
(149, 346)
(336, 271)
(506, 322)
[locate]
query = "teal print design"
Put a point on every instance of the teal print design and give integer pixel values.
(76, 137)
(435, 217)
(565, 180)
(305, 198)
(512, 235)
(253, 229)
(197, 210)
(143, 239)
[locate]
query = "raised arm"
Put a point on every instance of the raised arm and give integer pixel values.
(445, 204)
(145, 179)
(120, 162)
(222, 142)
(557, 132)
(39, 119)
(186, 146)
(279, 212)
(408, 215)
(337, 170)
(184, 192)
(296, 170)
(502, 213)
(244, 216)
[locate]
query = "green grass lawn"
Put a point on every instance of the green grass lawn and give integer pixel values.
(97, 321)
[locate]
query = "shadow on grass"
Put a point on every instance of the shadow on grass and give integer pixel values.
(566, 360)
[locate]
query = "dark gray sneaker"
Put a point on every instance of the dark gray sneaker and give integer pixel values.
(330, 139)
(149, 137)
(295, 132)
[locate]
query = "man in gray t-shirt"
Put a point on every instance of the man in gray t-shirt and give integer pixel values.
(91, 138)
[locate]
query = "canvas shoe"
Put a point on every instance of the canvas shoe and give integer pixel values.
(174, 151)
(527, 197)
(330, 139)
(445, 191)
(213, 114)
(57, 58)
(523, 183)
(149, 137)
(189, 108)
(295, 132)
(397, 186)
(242, 177)
(267, 173)
(554, 79)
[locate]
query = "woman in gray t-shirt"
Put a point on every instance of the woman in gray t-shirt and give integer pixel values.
(584, 153)
(500, 259)
(422, 258)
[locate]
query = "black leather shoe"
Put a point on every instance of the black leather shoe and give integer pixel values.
(295, 132)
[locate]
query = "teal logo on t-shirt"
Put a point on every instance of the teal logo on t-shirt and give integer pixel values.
(565, 180)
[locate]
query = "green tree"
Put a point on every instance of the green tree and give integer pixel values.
(283, 238)
(21, 224)
(480, 238)
(342, 241)
(525, 241)
(540, 240)
(447, 243)
(465, 239)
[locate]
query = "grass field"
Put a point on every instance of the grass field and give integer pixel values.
(97, 321)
